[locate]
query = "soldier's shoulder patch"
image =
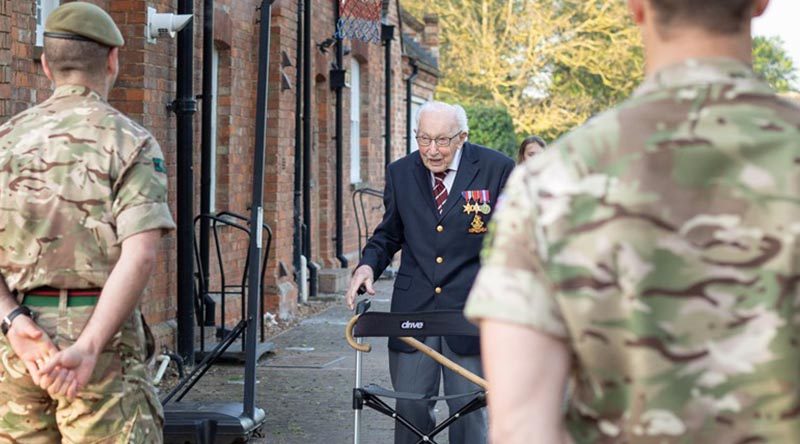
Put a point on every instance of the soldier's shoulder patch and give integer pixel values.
(159, 165)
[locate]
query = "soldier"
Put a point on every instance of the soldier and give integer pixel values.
(83, 207)
(652, 255)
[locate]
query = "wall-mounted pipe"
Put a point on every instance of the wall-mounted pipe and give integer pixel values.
(297, 239)
(307, 127)
(185, 106)
(387, 35)
(339, 147)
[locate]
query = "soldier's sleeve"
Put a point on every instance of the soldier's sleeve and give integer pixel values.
(512, 285)
(140, 202)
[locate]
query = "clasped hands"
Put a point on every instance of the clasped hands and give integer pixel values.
(59, 372)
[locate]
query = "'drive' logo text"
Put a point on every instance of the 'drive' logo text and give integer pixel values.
(411, 325)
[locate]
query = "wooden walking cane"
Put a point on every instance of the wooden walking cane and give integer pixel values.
(435, 355)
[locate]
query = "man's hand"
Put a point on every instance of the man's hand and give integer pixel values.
(31, 344)
(362, 277)
(77, 358)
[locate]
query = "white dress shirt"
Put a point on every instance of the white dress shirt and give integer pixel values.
(451, 172)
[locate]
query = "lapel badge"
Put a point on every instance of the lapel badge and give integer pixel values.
(477, 226)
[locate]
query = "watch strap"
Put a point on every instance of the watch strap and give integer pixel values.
(21, 310)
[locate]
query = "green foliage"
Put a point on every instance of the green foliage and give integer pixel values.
(552, 64)
(771, 61)
(492, 126)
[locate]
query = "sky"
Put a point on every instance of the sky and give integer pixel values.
(782, 19)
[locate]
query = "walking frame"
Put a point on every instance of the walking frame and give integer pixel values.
(399, 325)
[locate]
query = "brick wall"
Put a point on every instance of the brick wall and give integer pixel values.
(146, 85)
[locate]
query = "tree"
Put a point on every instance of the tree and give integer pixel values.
(771, 61)
(493, 127)
(550, 63)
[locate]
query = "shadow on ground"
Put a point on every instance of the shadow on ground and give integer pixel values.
(306, 385)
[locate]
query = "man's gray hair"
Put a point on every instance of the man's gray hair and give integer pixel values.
(458, 110)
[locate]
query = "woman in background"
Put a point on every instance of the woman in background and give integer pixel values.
(531, 146)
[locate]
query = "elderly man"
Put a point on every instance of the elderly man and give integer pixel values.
(438, 201)
(652, 255)
(83, 209)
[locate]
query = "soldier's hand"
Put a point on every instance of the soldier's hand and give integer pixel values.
(61, 384)
(360, 282)
(31, 344)
(76, 358)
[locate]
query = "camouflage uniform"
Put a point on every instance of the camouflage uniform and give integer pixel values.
(76, 178)
(660, 241)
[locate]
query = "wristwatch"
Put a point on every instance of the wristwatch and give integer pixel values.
(21, 310)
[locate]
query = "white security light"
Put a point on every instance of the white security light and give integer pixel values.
(164, 24)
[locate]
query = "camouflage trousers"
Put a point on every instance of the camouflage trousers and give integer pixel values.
(119, 405)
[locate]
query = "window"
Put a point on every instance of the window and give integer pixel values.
(355, 121)
(43, 9)
(416, 103)
(212, 207)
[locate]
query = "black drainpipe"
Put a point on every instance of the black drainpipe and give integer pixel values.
(338, 84)
(307, 146)
(387, 35)
(297, 241)
(206, 154)
(409, 86)
(185, 106)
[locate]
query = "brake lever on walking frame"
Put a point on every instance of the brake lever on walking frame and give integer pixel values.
(363, 305)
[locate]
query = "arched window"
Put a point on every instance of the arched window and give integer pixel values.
(355, 121)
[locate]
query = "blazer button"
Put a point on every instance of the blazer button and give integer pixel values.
(439, 228)
(439, 260)
(438, 290)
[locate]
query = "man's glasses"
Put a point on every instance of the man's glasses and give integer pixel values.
(440, 141)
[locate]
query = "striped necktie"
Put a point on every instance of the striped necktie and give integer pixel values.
(439, 190)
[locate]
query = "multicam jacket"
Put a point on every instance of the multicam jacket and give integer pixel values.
(661, 242)
(77, 177)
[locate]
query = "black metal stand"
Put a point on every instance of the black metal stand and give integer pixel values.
(233, 422)
(360, 209)
(227, 221)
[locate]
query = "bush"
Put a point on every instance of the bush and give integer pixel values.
(492, 127)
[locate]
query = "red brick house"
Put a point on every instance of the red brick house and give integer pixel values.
(147, 83)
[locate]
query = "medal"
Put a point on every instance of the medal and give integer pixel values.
(477, 226)
(485, 198)
(469, 197)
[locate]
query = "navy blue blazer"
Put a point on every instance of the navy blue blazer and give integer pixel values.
(440, 256)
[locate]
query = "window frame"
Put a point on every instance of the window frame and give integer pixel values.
(43, 9)
(355, 121)
(212, 202)
(416, 104)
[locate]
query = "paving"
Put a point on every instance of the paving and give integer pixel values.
(306, 385)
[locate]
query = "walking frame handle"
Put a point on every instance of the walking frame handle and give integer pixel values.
(436, 356)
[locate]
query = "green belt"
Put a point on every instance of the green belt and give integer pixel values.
(33, 300)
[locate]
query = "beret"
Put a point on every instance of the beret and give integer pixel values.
(83, 21)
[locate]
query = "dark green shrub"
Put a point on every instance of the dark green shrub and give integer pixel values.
(492, 127)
